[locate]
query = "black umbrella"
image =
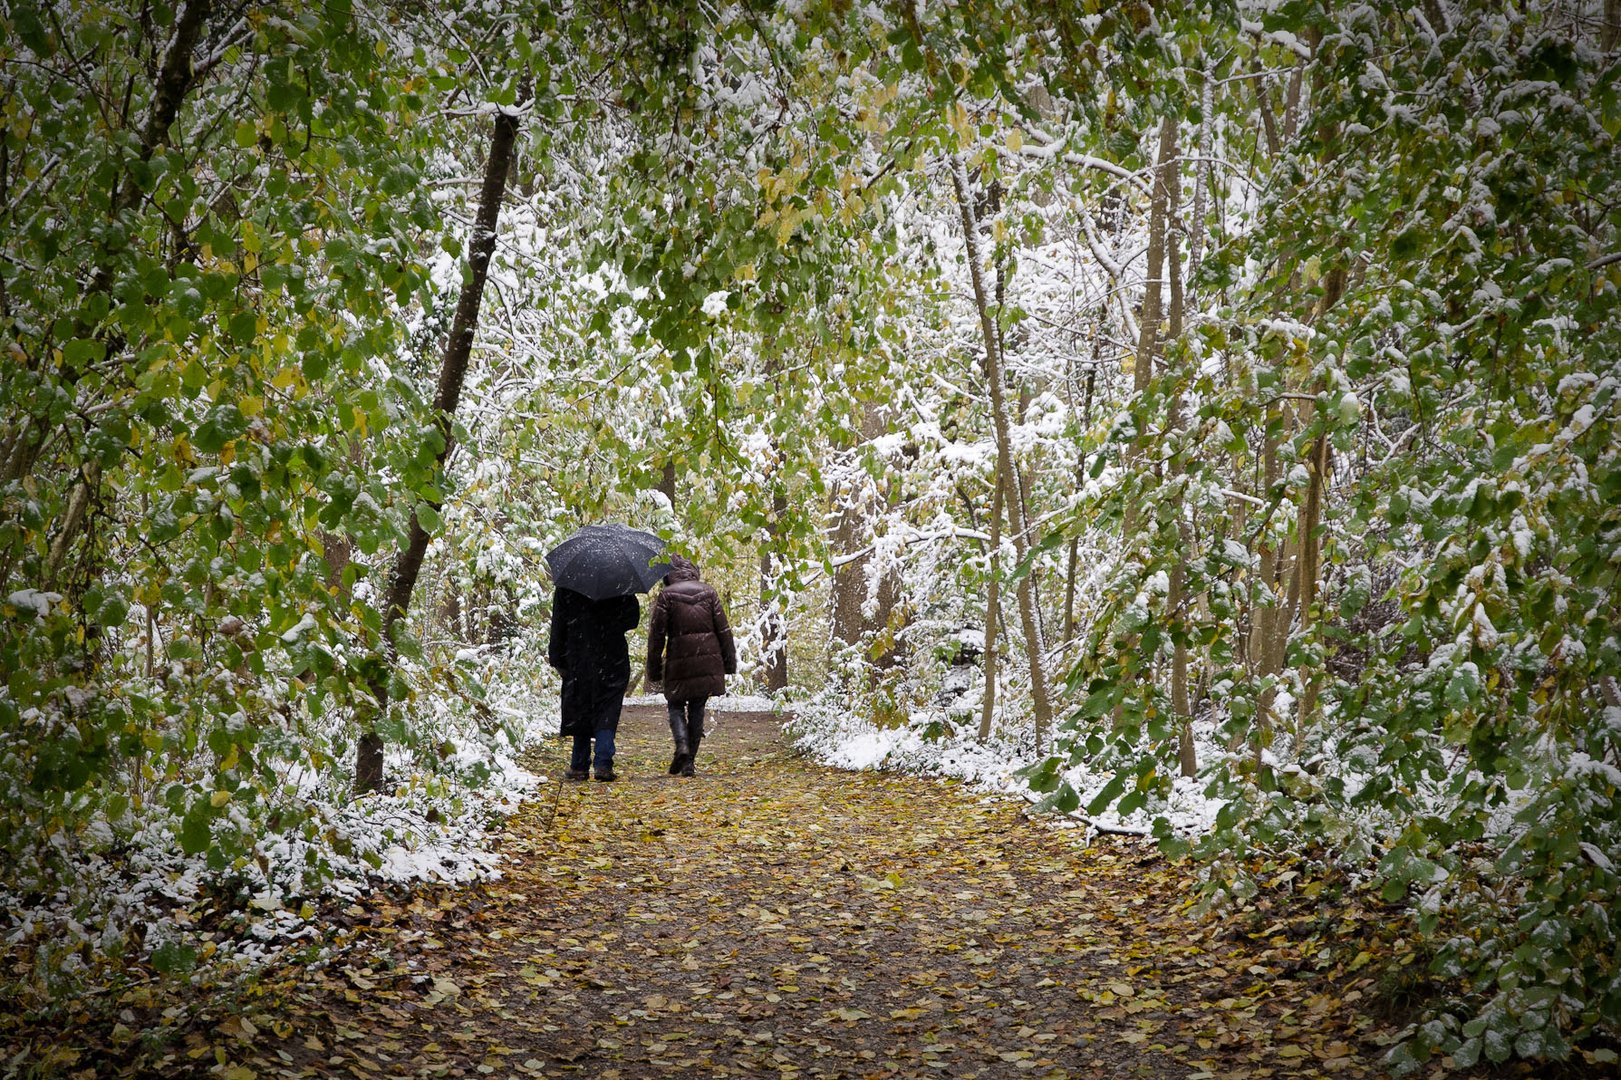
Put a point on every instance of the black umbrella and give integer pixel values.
(601, 561)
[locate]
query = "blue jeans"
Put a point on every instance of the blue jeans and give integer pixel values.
(582, 756)
(599, 719)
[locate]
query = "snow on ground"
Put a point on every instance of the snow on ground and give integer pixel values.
(931, 746)
(430, 824)
(724, 703)
(436, 825)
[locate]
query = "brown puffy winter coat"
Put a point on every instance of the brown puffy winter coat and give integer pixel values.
(689, 641)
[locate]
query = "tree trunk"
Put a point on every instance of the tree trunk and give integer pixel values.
(1307, 571)
(1080, 478)
(1308, 567)
(1041, 704)
(993, 610)
(849, 581)
(1142, 368)
(1291, 102)
(452, 373)
(1187, 757)
(1153, 284)
(774, 634)
(1201, 174)
(855, 512)
(1263, 619)
(78, 511)
(774, 631)
(667, 479)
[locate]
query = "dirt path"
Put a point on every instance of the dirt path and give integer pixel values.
(771, 917)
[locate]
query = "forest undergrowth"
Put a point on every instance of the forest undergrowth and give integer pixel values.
(775, 916)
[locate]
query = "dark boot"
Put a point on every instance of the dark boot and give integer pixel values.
(687, 762)
(683, 754)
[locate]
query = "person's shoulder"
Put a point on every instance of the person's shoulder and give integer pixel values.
(688, 592)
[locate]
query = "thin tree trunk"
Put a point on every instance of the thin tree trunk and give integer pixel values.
(849, 581)
(667, 479)
(1187, 757)
(78, 510)
(993, 612)
(1071, 566)
(452, 373)
(1080, 470)
(1041, 704)
(775, 632)
(1291, 102)
(1270, 637)
(1308, 566)
(1142, 368)
(1154, 284)
(1080, 481)
(1262, 620)
(1263, 105)
(773, 629)
(1201, 173)
(1307, 571)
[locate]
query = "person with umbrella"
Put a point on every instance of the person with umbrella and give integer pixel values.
(598, 570)
(689, 650)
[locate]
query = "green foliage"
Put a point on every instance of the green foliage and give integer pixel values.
(223, 297)
(210, 262)
(1431, 304)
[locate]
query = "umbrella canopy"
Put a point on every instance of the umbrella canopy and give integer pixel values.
(601, 561)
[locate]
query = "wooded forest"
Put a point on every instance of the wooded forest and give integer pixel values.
(1229, 386)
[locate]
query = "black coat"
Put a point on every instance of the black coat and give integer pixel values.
(588, 646)
(689, 641)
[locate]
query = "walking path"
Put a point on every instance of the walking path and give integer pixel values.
(772, 917)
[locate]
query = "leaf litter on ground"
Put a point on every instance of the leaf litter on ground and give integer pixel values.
(775, 916)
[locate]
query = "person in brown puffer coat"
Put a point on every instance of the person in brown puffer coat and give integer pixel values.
(690, 650)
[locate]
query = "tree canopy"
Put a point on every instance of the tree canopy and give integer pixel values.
(1266, 353)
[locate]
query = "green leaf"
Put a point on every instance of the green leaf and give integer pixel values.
(174, 958)
(82, 351)
(195, 833)
(113, 611)
(1463, 688)
(243, 327)
(1099, 702)
(224, 423)
(1111, 791)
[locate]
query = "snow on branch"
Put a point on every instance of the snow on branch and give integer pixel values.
(1053, 149)
(911, 538)
(1282, 38)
